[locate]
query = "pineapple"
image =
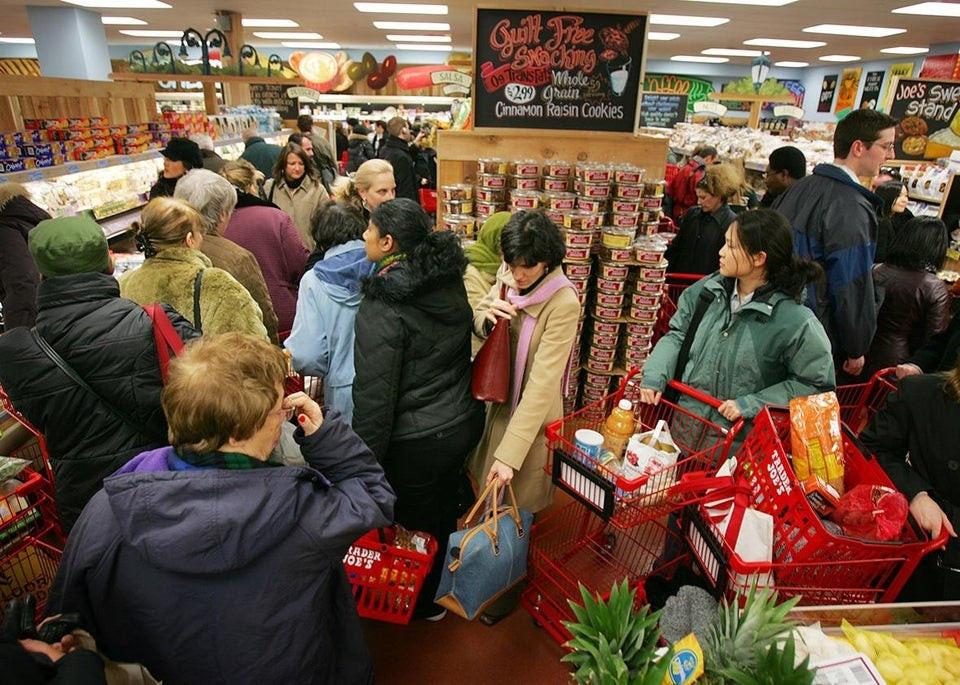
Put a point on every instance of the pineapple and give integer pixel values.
(756, 646)
(613, 644)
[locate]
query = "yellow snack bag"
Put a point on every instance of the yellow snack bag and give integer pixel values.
(687, 662)
(815, 436)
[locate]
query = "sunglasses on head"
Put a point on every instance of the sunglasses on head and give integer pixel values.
(892, 172)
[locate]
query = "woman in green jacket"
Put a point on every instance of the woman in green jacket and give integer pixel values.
(756, 343)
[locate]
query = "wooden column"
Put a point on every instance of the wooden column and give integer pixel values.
(234, 93)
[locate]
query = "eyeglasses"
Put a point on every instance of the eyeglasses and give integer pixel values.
(771, 172)
(888, 147)
(286, 413)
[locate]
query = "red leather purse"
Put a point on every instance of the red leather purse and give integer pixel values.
(490, 381)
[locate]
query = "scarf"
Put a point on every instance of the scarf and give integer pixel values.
(221, 460)
(294, 184)
(485, 253)
(390, 262)
(541, 294)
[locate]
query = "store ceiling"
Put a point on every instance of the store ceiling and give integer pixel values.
(341, 23)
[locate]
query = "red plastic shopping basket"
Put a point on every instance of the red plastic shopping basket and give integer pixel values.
(809, 560)
(673, 287)
(572, 546)
(386, 579)
(628, 502)
(861, 401)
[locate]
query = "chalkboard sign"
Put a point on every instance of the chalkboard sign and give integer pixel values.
(274, 95)
(662, 109)
(929, 114)
(558, 70)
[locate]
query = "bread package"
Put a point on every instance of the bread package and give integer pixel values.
(816, 440)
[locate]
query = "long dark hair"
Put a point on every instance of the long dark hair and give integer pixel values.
(281, 164)
(766, 230)
(413, 232)
(889, 192)
(919, 245)
(334, 223)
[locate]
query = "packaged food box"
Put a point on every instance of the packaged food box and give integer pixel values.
(10, 152)
(9, 166)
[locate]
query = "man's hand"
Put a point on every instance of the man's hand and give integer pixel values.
(854, 366)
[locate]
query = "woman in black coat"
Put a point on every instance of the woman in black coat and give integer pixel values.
(696, 248)
(412, 401)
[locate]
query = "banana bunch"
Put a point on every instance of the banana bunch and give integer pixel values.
(908, 662)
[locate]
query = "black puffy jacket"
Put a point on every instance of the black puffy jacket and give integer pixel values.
(412, 348)
(109, 342)
(18, 274)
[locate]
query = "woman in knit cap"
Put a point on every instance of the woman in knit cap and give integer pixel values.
(484, 261)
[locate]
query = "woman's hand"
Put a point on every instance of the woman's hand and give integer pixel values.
(904, 370)
(501, 472)
(650, 396)
(930, 516)
(500, 309)
(309, 415)
(854, 366)
(729, 410)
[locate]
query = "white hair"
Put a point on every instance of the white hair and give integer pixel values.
(204, 141)
(211, 195)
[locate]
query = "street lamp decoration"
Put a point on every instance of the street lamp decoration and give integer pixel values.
(274, 60)
(161, 49)
(213, 38)
(247, 51)
(759, 68)
(137, 56)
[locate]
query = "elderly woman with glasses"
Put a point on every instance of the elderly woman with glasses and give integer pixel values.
(208, 563)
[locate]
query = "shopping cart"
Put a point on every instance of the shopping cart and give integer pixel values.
(33, 450)
(861, 401)
(28, 567)
(809, 560)
(573, 546)
(673, 287)
(385, 578)
(629, 502)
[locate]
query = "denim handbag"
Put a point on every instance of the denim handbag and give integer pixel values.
(485, 560)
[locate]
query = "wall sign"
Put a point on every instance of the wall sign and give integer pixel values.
(560, 70)
(870, 98)
(274, 95)
(663, 110)
(847, 95)
(826, 92)
(696, 89)
(929, 116)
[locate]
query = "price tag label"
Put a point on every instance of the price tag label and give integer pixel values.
(519, 93)
(125, 159)
(35, 175)
(101, 164)
(72, 168)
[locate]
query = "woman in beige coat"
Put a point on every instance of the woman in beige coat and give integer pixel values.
(296, 189)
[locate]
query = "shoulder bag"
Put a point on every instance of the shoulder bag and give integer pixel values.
(490, 380)
(683, 356)
(165, 336)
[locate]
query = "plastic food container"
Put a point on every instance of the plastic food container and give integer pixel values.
(561, 183)
(579, 283)
(491, 165)
(596, 380)
(629, 191)
(605, 312)
(654, 287)
(648, 228)
(484, 194)
(604, 339)
(645, 300)
(592, 204)
(613, 270)
(648, 214)
(525, 199)
(652, 202)
(652, 273)
(627, 173)
(650, 250)
(525, 182)
(602, 353)
(600, 365)
(636, 355)
(457, 191)
(582, 297)
(625, 206)
(639, 329)
(611, 285)
(654, 188)
(558, 167)
(594, 393)
(580, 270)
(625, 220)
(578, 253)
(492, 180)
(616, 254)
(639, 341)
(594, 173)
(614, 236)
(606, 299)
(461, 224)
(487, 209)
(595, 190)
(526, 167)
(612, 327)
(575, 238)
(458, 206)
(559, 200)
(644, 314)
(581, 219)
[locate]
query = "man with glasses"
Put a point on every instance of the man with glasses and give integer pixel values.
(786, 166)
(834, 220)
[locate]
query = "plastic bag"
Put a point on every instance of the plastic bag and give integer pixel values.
(871, 512)
(652, 453)
(11, 467)
(817, 447)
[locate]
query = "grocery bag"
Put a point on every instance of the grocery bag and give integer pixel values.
(652, 453)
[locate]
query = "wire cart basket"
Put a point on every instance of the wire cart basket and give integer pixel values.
(629, 502)
(385, 578)
(809, 559)
(861, 401)
(672, 289)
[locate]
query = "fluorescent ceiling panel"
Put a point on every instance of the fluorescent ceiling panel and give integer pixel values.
(121, 4)
(148, 33)
(932, 9)
(400, 8)
(683, 20)
(122, 21)
(311, 45)
(763, 3)
(726, 52)
(424, 46)
(791, 65)
(660, 35)
(839, 58)
(24, 41)
(400, 37)
(412, 25)
(779, 43)
(269, 23)
(859, 31)
(699, 58)
(904, 50)
(288, 35)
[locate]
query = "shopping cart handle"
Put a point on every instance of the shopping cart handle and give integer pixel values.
(685, 389)
(938, 542)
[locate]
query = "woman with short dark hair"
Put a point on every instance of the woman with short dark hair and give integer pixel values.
(892, 217)
(412, 401)
(296, 189)
(916, 305)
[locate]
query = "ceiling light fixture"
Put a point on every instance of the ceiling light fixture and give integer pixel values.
(400, 37)
(780, 43)
(269, 23)
(426, 47)
(858, 31)
(660, 35)
(122, 21)
(22, 41)
(904, 50)
(400, 8)
(699, 58)
(792, 65)
(311, 45)
(839, 58)
(288, 35)
(683, 20)
(149, 33)
(412, 25)
(726, 52)
(933, 9)
(121, 4)
(764, 3)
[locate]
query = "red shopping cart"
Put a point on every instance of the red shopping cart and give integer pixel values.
(673, 287)
(861, 401)
(629, 502)
(573, 546)
(809, 560)
(33, 450)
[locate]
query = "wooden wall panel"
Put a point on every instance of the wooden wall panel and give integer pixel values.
(47, 98)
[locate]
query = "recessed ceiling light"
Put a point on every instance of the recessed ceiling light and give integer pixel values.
(270, 23)
(122, 21)
(422, 46)
(288, 35)
(764, 3)
(311, 45)
(400, 37)
(24, 41)
(698, 58)
(147, 33)
(778, 43)
(935, 9)
(412, 25)
(839, 58)
(659, 35)
(682, 20)
(904, 50)
(121, 4)
(725, 52)
(400, 8)
(791, 65)
(859, 31)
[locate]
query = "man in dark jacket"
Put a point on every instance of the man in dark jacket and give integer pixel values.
(18, 275)
(834, 220)
(259, 152)
(108, 341)
(397, 151)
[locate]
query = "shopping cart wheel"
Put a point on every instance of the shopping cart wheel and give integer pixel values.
(611, 543)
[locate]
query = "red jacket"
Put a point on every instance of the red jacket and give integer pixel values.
(683, 186)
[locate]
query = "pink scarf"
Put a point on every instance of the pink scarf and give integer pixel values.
(541, 293)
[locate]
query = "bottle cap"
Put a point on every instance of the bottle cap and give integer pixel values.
(626, 404)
